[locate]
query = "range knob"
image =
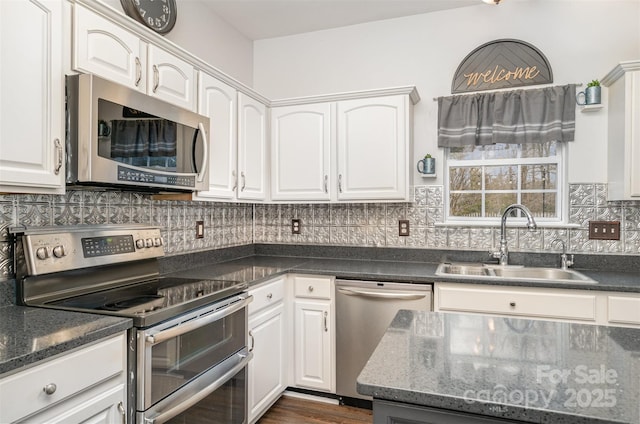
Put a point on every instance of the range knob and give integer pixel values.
(41, 253)
(139, 243)
(148, 243)
(157, 242)
(58, 251)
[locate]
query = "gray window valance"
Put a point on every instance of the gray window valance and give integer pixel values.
(515, 117)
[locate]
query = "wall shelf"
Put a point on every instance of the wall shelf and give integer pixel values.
(434, 175)
(591, 108)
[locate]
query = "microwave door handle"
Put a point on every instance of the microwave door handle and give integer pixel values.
(178, 330)
(205, 153)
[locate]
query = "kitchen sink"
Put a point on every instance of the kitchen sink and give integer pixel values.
(512, 273)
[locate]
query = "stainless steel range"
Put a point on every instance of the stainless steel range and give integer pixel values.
(188, 350)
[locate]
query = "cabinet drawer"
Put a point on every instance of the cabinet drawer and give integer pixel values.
(509, 301)
(624, 310)
(312, 287)
(23, 393)
(266, 295)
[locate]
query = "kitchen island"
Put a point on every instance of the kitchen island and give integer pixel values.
(456, 368)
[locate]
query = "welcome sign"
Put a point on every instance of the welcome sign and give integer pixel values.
(501, 64)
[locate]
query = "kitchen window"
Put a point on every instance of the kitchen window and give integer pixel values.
(482, 180)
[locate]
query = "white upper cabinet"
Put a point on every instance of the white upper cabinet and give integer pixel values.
(252, 148)
(344, 147)
(171, 79)
(623, 171)
(104, 48)
(31, 97)
(218, 101)
(373, 148)
(300, 152)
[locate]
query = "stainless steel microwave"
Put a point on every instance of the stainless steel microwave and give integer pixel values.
(119, 137)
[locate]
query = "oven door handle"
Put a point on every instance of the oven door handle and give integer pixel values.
(181, 329)
(197, 397)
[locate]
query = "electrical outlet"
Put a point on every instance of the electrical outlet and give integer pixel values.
(403, 227)
(199, 229)
(604, 230)
(296, 226)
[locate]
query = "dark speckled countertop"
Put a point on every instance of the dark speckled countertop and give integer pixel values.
(29, 335)
(523, 370)
(24, 330)
(256, 269)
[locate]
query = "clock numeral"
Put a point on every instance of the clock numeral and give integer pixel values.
(150, 20)
(143, 12)
(158, 23)
(165, 9)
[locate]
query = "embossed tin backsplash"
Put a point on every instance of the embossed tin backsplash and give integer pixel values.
(233, 224)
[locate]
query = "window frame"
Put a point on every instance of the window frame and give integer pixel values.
(560, 160)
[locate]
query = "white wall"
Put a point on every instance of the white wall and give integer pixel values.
(203, 33)
(582, 40)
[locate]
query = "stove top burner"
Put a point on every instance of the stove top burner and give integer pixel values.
(149, 302)
(136, 305)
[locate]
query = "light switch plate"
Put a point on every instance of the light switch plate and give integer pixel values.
(604, 230)
(199, 229)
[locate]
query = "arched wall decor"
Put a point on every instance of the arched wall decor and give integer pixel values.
(504, 63)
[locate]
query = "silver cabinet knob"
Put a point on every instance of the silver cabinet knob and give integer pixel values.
(512, 304)
(139, 243)
(310, 288)
(148, 243)
(157, 242)
(269, 296)
(50, 388)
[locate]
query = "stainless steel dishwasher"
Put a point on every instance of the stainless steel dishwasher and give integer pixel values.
(364, 310)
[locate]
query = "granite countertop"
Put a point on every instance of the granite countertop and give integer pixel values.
(257, 269)
(525, 370)
(29, 335)
(25, 332)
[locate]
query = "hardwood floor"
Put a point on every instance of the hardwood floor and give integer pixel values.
(291, 410)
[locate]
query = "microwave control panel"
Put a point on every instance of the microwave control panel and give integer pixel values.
(133, 175)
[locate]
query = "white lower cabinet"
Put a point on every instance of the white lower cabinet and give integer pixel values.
(85, 386)
(583, 306)
(267, 334)
(314, 333)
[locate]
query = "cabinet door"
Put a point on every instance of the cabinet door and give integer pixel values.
(267, 368)
(218, 101)
(313, 345)
(252, 146)
(373, 146)
(171, 79)
(31, 97)
(106, 407)
(300, 152)
(104, 48)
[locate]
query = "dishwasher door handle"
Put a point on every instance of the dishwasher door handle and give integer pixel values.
(382, 295)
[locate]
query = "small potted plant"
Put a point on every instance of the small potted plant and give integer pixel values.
(591, 93)
(427, 165)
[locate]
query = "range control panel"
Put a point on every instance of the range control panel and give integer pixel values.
(81, 247)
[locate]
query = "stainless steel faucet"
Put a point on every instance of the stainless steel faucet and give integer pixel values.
(503, 254)
(565, 262)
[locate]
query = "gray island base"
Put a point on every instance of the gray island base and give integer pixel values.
(454, 368)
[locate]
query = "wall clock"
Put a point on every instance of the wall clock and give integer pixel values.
(159, 15)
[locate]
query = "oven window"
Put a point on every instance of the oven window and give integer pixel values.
(227, 405)
(180, 359)
(145, 141)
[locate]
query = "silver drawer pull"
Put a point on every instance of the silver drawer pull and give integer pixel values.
(326, 329)
(310, 288)
(269, 296)
(50, 388)
(512, 304)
